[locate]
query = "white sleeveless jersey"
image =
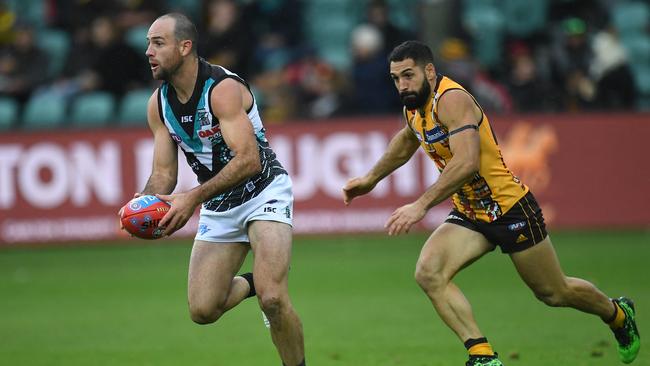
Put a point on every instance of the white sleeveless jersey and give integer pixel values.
(196, 130)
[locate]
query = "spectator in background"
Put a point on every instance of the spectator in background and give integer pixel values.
(277, 31)
(281, 18)
(316, 86)
(274, 94)
(458, 63)
(227, 41)
(75, 16)
(99, 60)
(116, 66)
(23, 65)
(7, 21)
(378, 15)
(571, 57)
(132, 13)
(374, 93)
(528, 89)
(610, 70)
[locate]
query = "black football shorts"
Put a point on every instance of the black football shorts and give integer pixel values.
(520, 228)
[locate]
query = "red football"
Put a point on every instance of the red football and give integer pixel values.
(141, 216)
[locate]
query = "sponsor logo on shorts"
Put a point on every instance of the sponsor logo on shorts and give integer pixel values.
(517, 226)
(203, 228)
(269, 209)
(287, 212)
(454, 217)
(521, 238)
(250, 186)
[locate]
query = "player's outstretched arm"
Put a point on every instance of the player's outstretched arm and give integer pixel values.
(237, 132)
(399, 151)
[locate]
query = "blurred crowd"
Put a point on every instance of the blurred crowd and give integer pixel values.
(310, 59)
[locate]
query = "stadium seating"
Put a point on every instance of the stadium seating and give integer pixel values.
(136, 37)
(485, 22)
(92, 110)
(330, 34)
(133, 108)
(44, 111)
(638, 47)
(56, 44)
(631, 16)
(31, 12)
(8, 113)
(328, 24)
(524, 17)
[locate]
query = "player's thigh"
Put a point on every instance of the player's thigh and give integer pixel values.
(271, 244)
(539, 267)
(212, 267)
(450, 248)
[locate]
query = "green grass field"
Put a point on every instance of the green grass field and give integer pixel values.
(125, 305)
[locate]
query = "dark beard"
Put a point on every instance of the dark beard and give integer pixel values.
(415, 100)
(166, 74)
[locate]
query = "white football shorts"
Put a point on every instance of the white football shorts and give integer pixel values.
(274, 203)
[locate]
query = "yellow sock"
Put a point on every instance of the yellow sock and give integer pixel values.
(481, 349)
(619, 319)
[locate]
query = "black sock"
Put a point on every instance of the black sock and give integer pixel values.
(249, 278)
(474, 341)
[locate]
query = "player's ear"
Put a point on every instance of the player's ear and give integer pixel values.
(430, 71)
(186, 47)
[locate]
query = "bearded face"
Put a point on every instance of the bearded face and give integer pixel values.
(165, 71)
(416, 99)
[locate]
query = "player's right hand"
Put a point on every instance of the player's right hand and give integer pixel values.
(356, 187)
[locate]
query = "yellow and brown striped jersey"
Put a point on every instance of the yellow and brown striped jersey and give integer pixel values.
(494, 189)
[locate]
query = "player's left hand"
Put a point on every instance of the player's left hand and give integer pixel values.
(181, 210)
(404, 217)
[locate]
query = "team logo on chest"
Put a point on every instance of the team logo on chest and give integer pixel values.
(206, 130)
(202, 115)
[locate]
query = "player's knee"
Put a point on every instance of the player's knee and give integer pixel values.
(205, 314)
(272, 304)
(429, 277)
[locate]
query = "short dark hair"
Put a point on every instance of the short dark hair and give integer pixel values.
(415, 50)
(184, 29)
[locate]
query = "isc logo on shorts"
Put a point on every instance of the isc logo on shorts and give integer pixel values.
(285, 211)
